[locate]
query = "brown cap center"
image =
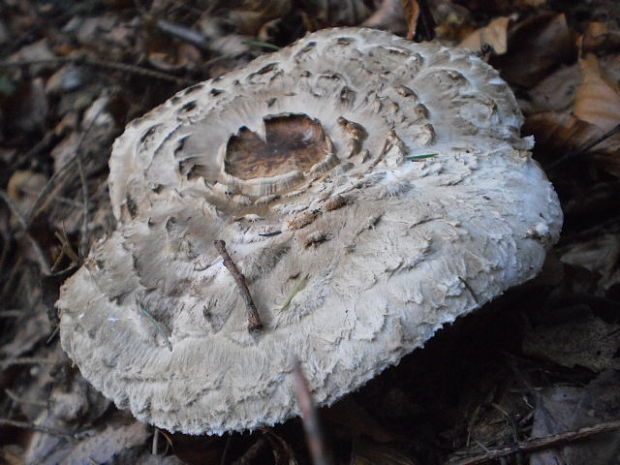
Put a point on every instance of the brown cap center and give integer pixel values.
(292, 143)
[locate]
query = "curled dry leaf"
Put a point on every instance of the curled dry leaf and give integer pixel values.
(535, 47)
(390, 16)
(99, 446)
(562, 133)
(494, 35)
(567, 408)
(554, 93)
(600, 255)
(587, 342)
(595, 112)
(252, 15)
(412, 13)
(24, 187)
(338, 12)
(598, 38)
(28, 107)
(453, 21)
(598, 98)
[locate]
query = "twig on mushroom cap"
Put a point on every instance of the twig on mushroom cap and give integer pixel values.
(253, 317)
(312, 427)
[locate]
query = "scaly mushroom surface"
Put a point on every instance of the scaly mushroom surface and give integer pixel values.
(369, 190)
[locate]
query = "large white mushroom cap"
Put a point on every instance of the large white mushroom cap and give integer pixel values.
(369, 188)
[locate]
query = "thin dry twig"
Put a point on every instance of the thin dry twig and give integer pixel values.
(45, 195)
(83, 247)
(536, 444)
(254, 320)
(23, 223)
(14, 210)
(12, 313)
(15, 398)
(310, 417)
(26, 361)
(106, 64)
(33, 427)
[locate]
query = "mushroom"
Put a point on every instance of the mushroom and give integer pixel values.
(369, 190)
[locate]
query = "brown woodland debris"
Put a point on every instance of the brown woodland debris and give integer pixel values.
(535, 46)
(494, 35)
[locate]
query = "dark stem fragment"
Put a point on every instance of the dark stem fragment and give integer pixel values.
(426, 22)
(254, 320)
(310, 417)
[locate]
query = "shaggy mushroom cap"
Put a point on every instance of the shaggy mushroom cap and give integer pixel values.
(370, 190)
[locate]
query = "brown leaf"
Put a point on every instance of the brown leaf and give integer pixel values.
(251, 18)
(317, 15)
(598, 38)
(412, 13)
(565, 408)
(556, 92)
(389, 16)
(587, 342)
(100, 447)
(28, 107)
(598, 98)
(600, 255)
(535, 47)
(560, 133)
(495, 35)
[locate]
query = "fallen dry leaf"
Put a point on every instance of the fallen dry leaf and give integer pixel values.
(101, 447)
(588, 342)
(600, 255)
(390, 16)
(453, 21)
(328, 13)
(564, 408)
(24, 187)
(535, 47)
(28, 107)
(560, 134)
(556, 92)
(494, 35)
(412, 13)
(597, 38)
(249, 19)
(598, 98)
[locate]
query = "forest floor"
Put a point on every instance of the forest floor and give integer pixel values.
(532, 378)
